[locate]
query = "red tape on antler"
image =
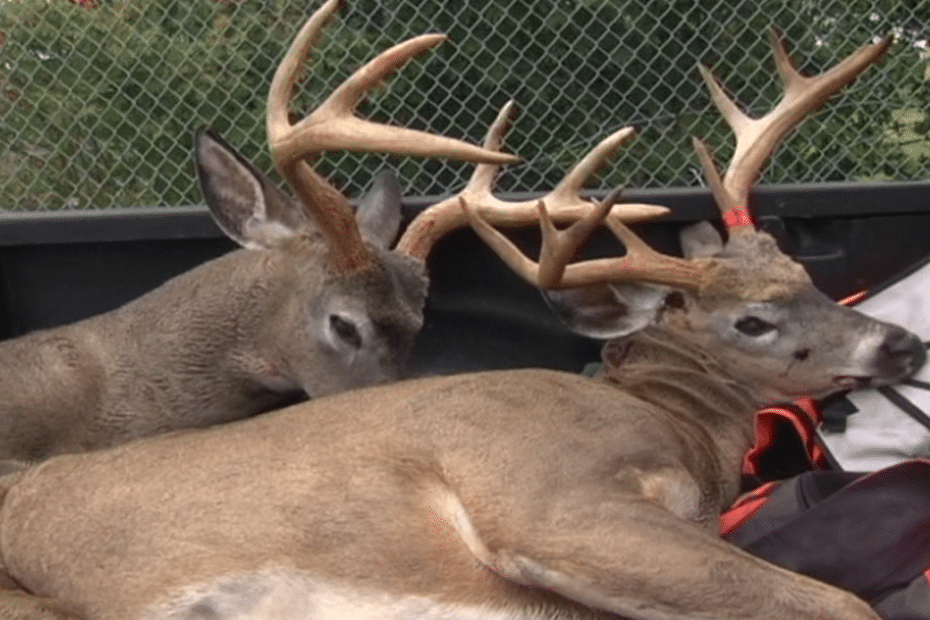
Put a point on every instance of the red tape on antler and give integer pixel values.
(735, 218)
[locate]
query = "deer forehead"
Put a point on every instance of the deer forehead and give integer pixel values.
(752, 268)
(392, 289)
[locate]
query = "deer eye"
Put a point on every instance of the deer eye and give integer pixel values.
(753, 326)
(345, 330)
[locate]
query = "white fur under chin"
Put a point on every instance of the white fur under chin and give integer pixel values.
(286, 595)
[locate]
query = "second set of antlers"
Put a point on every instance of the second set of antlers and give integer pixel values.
(334, 125)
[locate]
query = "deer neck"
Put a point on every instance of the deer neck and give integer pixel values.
(686, 382)
(209, 333)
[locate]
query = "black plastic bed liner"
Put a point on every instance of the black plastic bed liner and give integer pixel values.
(62, 266)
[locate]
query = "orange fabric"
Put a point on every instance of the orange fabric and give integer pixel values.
(770, 419)
(746, 506)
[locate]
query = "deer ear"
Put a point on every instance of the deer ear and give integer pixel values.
(608, 311)
(378, 213)
(244, 202)
(700, 240)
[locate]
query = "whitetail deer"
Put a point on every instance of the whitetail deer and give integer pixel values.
(525, 494)
(314, 303)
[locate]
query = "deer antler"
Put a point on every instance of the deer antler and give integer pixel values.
(756, 139)
(480, 209)
(565, 201)
(477, 206)
(334, 126)
(640, 263)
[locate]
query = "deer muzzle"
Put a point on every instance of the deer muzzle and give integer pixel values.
(902, 353)
(897, 357)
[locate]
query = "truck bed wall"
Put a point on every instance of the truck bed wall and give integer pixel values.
(59, 267)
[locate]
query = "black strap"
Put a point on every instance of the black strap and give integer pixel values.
(835, 409)
(923, 385)
(901, 402)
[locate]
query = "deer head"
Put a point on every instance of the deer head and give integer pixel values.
(744, 300)
(364, 302)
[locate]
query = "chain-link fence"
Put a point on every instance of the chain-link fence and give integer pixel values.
(99, 98)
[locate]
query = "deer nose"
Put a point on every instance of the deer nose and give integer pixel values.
(902, 354)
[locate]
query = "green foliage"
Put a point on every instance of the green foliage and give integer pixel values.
(98, 105)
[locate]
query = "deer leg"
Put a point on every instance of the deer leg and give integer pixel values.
(17, 604)
(634, 558)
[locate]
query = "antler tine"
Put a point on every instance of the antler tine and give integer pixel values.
(560, 246)
(756, 139)
(721, 195)
(640, 263)
(564, 202)
(441, 218)
(569, 188)
(334, 126)
(482, 179)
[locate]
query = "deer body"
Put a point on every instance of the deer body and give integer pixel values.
(396, 502)
(224, 341)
